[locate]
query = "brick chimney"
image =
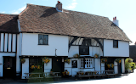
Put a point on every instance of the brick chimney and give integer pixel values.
(59, 6)
(115, 21)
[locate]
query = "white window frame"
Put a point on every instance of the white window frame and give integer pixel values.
(87, 63)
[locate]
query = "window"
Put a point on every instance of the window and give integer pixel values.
(84, 50)
(86, 42)
(115, 43)
(74, 63)
(42, 39)
(87, 63)
(36, 61)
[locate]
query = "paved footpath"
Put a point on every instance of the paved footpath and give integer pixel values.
(125, 79)
(128, 80)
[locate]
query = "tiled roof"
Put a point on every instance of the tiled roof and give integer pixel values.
(44, 19)
(8, 23)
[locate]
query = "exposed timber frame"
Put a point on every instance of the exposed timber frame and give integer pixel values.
(74, 39)
(101, 46)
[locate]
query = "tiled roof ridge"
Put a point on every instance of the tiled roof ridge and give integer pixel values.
(28, 4)
(8, 14)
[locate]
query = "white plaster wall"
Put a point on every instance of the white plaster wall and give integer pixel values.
(121, 51)
(68, 67)
(102, 66)
(73, 71)
(97, 64)
(48, 66)
(92, 51)
(14, 43)
(1, 61)
(2, 42)
(123, 65)
(25, 67)
(95, 50)
(115, 67)
(6, 42)
(9, 45)
(19, 47)
(73, 50)
(30, 45)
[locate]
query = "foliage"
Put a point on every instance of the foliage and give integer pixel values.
(65, 73)
(129, 60)
(103, 60)
(127, 66)
(67, 60)
(96, 56)
(76, 55)
(22, 60)
(36, 67)
(118, 60)
(110, 65)
(129, 63)
(46, 60)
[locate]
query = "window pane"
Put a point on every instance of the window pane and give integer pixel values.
(45, 39)
(40, 39)
(115, 43)
(83, 50)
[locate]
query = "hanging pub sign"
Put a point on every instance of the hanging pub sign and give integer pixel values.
(74, 63)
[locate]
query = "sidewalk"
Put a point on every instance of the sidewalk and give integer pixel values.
(71, 79)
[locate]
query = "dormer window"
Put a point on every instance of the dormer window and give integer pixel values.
(42, 39)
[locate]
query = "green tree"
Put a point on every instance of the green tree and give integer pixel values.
(128, 64)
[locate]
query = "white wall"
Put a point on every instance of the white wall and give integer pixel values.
(30, 45)
(121, 51)
(25, 67)
(123, 65)
(6, 42)
(115, 67)
(1, 61)
(19, 47)
(92, 51)
(73, 50)
(97, 64)
(102, 66)
(48, 66)
(68, 67)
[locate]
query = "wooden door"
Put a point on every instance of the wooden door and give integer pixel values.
(9, 70)
(57, 65)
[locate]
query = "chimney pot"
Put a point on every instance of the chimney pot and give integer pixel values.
(115, 18)
(115, 21)
(59, 6)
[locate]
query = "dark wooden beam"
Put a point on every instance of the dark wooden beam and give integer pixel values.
(75, 38)
(99, 43)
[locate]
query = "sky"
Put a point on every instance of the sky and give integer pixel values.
(124, 10)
